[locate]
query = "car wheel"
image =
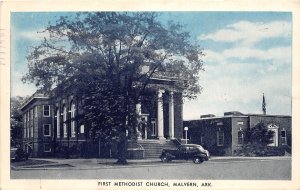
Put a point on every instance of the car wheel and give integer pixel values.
(197, 160)
(164, 158)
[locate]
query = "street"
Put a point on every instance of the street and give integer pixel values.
(222, 169)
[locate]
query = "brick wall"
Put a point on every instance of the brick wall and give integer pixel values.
(238, 124)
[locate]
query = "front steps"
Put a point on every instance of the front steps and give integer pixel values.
(153, 148)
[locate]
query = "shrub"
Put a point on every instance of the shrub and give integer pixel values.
(259, 150)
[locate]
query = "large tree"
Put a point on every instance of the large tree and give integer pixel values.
(99, 56)
(16, 122)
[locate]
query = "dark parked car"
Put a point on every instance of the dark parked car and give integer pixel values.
(185, 152)
(17, 154)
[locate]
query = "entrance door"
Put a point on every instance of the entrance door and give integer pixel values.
(144, 126)
(273, 128)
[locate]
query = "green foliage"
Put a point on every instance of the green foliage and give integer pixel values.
(99, 56)
(257, 140)
(259, 135)
(16, 122)
(259, 150)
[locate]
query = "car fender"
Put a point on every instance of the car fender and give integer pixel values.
(200, 155)
(171, 156)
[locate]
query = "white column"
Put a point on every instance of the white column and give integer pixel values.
(138, 112)
(160, 114)
(171, 115)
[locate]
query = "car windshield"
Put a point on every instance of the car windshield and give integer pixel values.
(200, 148)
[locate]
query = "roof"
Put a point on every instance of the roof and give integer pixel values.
(219, 117)
(234, 114)
(262, 115)
(36, 95)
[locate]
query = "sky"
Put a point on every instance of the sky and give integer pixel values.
(246, 54)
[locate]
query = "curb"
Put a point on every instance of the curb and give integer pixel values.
(137, 163)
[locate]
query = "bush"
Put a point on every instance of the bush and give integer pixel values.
(259, 150)
(215, 151)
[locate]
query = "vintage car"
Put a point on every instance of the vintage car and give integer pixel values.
(185, 152)
(17, 154)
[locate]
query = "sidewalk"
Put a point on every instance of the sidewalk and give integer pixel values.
(110, 163)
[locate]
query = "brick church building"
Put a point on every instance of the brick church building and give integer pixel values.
(50, 127)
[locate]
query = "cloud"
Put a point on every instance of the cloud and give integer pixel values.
(18, 88)
(239, 87)
(236, 76)
(277, 53)
(35, 35)
(249, 33)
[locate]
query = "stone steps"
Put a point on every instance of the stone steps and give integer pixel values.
(153, 148)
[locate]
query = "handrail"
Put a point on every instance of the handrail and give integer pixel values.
(178, 142)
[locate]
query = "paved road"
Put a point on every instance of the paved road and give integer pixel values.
(256, 169)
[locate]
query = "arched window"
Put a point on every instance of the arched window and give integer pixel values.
(57, 123)
(65, 120)
(72, 119)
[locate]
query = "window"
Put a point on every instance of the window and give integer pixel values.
(24, 131)
(47, 148)
(47, 130)
(31, 130)
(64, 121)
(27, 130)
(81, 128)
(220, 138)
(283, 137)
(72, 119)
(275, 138)
(46, 110)
(35, 112)
(201, 140)
(240, 123)
(31, 115)
(57, 123)
(240, 137)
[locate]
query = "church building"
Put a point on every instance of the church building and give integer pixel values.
(51, 130)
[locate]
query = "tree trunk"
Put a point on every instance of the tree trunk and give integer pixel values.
(122, 149)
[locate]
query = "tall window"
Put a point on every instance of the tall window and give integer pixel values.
(57, 123)
(72, 119)
(31, 115)
(240, 137)
(25, 122)
(283, 137)
(35, 112)
(31, 130)
(47, 130)
(46, 110)
(27, 125)
(65, 120)
(31, 123)
(220, 138)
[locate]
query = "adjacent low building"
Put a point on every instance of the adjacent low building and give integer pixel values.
(225, 135)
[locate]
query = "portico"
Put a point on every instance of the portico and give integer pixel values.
(161, 125)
